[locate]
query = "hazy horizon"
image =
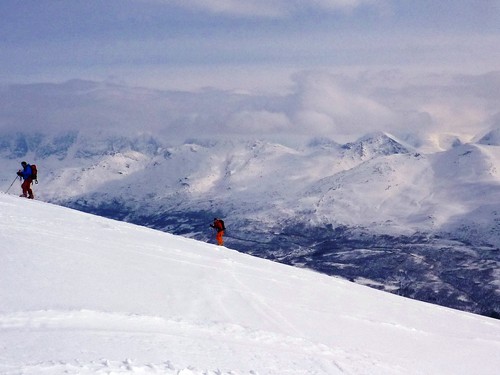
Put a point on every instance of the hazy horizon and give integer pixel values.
(289, 69)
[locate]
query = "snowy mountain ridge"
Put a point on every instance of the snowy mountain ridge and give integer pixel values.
(375, 175)
(88, 295)
(307, 206)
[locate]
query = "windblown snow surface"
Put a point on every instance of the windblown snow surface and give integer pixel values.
(81, 294)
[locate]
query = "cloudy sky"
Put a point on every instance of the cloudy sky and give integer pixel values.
(331, 66)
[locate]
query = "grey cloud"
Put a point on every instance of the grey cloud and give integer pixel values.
(265, 8)
(319, 104)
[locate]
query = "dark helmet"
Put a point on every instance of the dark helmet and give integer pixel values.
(23, 163)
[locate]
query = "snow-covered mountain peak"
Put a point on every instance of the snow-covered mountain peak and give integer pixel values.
(374, 144)
(491, 138)
(255, 173)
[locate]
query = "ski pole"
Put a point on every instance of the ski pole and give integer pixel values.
(11, 185)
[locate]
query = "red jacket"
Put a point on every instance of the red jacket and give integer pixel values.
(218, 225)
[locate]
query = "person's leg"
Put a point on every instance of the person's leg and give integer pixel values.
(25, 187)
(220, 241)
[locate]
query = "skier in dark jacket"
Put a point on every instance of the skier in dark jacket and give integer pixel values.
(218, 225)
(27, 175)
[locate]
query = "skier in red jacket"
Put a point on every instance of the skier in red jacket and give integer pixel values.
(218, 225)
(27, 175)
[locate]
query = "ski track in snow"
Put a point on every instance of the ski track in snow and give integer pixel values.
(139, 330)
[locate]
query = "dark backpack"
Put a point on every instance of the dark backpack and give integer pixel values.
(222, 224)
(34, 173)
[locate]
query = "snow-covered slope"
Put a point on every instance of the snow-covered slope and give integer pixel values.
(81, 294)
(433, 217)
